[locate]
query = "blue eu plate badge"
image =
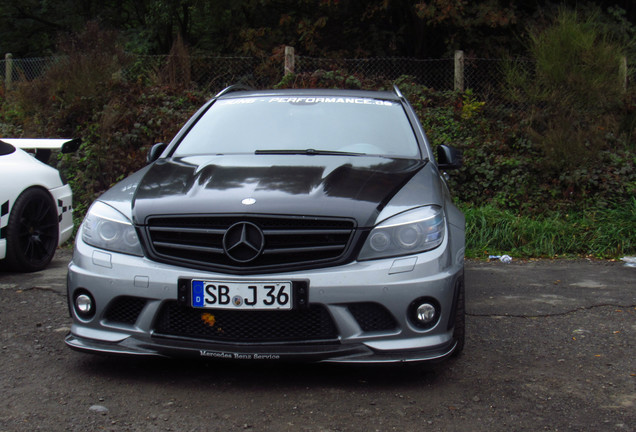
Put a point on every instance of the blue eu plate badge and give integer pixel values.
(197, 293)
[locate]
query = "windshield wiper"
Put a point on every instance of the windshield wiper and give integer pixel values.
(309, 152)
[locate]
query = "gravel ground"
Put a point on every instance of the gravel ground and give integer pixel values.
(550, 346)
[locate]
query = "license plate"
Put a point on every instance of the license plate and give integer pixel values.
(210, 294)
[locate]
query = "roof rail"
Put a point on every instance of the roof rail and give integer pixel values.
(397, 91)
(233, 88)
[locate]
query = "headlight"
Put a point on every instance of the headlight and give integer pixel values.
(413, 231)
(106, 228)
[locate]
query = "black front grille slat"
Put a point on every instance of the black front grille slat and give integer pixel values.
(297, 250)
(310, 324)
(306, 232)
(290, 242)
(195, 248)
(188, 230)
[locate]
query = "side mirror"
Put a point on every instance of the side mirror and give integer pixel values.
(155, 151)
(448, 157)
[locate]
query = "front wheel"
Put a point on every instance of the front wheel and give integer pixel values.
(32, 232)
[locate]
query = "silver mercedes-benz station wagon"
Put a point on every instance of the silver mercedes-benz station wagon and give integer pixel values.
(303, 225)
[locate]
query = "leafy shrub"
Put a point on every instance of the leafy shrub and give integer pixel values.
(84, 96)
(519, 197)
(575, 93)
(116, 139)
(326, 79)
(87, 67)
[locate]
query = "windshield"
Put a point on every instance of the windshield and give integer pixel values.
(328, 125)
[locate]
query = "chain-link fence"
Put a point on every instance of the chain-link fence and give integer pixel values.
(484, 77)
(218, 72)
(433, 73)
(211, 73)
(12, 70)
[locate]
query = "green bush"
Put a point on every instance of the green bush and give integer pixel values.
(600, 233)
(84, 96)
(326, 79)
(575, 93)
(116, 139)
(519, 196)
(79, 83)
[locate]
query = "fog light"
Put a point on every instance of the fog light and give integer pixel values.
(84, 305)
(424, 312)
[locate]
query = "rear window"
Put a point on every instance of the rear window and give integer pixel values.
(339, 124)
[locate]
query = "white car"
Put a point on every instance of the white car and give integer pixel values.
(36, 211)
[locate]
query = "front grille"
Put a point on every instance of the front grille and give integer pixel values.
(372, 317)
(124, 310)
(289, 242)
(310, 324)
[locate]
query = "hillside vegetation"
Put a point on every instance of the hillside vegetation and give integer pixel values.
(558, 179)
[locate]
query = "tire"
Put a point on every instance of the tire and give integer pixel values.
(32, 232)
(459, 332)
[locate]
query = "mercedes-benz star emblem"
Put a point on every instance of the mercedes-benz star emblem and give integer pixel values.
(243, 242)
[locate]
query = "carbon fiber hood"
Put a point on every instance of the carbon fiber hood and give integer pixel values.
(343, 186)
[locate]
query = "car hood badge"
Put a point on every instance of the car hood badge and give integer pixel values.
(248, 201)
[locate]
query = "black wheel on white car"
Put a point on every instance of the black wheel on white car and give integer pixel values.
(32, 232)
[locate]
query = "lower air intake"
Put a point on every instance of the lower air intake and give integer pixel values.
(311, 324)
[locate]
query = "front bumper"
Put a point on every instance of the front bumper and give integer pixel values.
(393, 283)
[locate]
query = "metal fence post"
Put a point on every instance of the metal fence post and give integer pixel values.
(459, 70)
(289, 60)
(8, 70)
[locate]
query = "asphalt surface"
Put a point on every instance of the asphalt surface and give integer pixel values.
(551, 345)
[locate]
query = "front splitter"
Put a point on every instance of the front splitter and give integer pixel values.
(333, 353)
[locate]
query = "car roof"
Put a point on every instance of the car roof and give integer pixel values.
(239, 93)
